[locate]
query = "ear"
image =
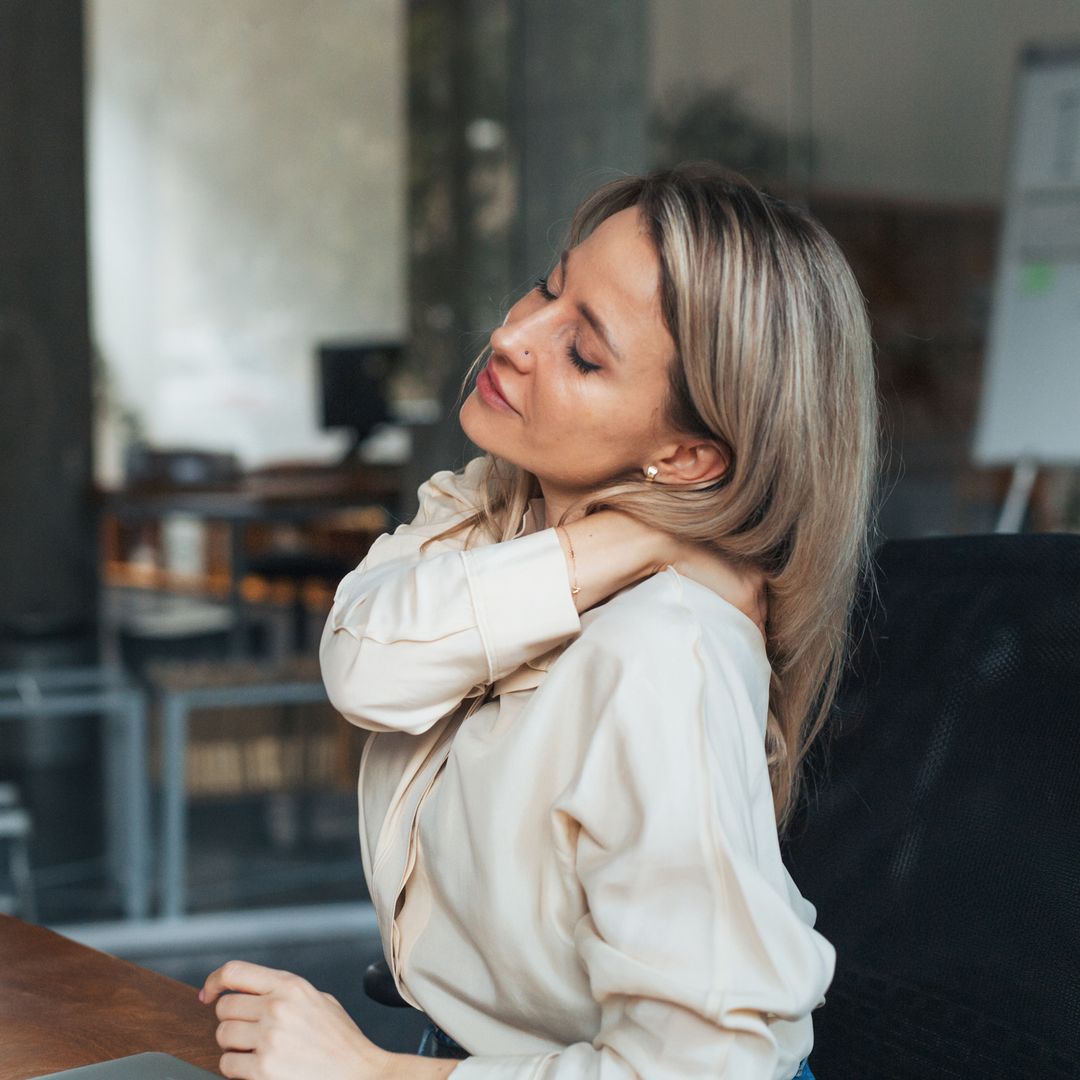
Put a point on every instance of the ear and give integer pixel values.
(698, 461)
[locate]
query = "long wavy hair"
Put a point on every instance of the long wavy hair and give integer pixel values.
(773, 359)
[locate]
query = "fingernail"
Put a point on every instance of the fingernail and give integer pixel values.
(201, 997)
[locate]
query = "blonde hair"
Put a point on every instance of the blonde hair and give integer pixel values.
(774, 360)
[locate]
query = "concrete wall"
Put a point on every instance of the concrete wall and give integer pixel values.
(247, 192)
(578, 104)
(908, 99)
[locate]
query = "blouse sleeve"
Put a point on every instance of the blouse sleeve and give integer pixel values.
(691, 953)
(412, 634)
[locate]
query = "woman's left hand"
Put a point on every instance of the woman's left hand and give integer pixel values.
(277, 1026)
(742, 588)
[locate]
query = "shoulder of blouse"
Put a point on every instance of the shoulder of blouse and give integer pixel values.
(656, 624)
(451, 492)
(662, 683)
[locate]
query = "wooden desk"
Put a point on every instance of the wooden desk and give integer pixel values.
(63, 1005)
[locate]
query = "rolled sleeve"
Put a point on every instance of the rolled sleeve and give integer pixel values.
(521, 597)
(413, 632)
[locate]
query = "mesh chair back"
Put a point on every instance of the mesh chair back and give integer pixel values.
(940, 840)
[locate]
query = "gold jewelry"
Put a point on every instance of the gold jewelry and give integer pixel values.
(574, 590)
(650, 472)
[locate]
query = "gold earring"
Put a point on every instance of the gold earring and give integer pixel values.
(650, 472)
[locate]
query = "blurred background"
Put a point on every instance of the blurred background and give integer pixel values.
(249, 250)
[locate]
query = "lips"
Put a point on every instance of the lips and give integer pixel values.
(489, 377)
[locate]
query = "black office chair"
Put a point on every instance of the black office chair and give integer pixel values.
(379, 985)
(940, 840)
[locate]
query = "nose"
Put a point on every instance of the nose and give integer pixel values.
(511, 341)
(526, 327)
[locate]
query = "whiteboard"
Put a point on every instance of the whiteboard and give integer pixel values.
(1030, 403)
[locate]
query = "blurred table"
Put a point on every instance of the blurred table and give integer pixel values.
(296, 495)
(266, 684)
(63, 1005)
(28, 697)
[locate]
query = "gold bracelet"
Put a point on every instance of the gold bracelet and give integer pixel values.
(574, 590)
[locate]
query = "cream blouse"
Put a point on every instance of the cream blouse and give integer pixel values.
(577, 875)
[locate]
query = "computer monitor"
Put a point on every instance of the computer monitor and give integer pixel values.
(353, 380)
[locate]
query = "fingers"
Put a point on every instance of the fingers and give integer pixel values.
(238, 1066)
(236, 1035)
(243, 976)
(239, 1007)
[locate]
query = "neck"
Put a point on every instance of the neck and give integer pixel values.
(556, 501)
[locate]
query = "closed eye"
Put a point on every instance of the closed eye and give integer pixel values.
(541, 286)
(579, 361)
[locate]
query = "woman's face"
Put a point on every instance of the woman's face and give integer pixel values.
(582, 367)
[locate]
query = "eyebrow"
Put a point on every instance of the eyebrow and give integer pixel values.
(589, 315)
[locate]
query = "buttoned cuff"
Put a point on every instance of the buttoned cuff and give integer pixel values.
(521, 598)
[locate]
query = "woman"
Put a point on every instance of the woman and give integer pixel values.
(595, 660)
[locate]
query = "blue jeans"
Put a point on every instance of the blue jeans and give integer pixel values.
(437, 1044)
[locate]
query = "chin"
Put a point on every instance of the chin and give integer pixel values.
(479, 434)
(467, 420)
(472, 424)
